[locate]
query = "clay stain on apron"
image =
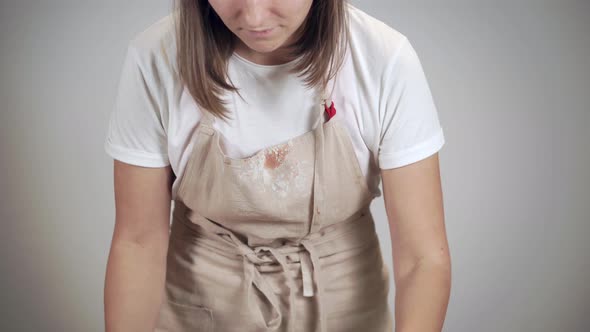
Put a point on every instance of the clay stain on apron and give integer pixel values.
(273, 170)
(275, 157)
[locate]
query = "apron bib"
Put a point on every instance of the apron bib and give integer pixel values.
(283, 240)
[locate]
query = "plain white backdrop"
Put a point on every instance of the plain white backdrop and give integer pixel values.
(511, 80)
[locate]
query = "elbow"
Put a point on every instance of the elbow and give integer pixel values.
(436, 264)
(437, 261)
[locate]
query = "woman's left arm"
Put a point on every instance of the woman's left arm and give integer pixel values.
(421, 259)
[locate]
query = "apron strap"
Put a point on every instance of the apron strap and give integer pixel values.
(207, 118)
(326, 106)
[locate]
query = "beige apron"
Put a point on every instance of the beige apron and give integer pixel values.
(279, 241)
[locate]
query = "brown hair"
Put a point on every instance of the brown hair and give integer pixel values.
(204, 45)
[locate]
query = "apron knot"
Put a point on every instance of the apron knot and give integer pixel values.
(310, 265)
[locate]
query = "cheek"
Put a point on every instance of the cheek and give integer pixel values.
(297, 10)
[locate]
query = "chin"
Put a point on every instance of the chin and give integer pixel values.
(264, 47)
(271, 43)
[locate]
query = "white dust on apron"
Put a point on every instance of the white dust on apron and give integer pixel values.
(272, 170)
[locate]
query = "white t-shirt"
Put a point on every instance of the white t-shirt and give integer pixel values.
(381, 93)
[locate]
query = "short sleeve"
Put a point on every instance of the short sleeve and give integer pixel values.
(409, 124)
(136, 134)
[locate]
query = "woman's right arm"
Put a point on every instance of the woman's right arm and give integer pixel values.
(136, 268)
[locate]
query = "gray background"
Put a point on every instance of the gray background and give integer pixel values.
(512, 83)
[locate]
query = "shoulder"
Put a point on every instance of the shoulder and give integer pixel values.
(155, 36)
(373, 40)
(154, 47)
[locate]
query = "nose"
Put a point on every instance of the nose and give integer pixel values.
(254, 12)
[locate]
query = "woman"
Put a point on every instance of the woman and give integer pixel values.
(270, 124)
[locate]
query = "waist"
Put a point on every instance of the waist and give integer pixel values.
(355, 232)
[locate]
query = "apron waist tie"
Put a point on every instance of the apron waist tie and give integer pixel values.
(310, 267)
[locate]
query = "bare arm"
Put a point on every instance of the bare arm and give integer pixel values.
(136, 267)
(421, 259)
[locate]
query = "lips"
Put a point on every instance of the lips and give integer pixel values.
(258, 28)
(260, 33)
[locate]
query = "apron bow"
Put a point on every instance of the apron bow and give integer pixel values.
(310, 267)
